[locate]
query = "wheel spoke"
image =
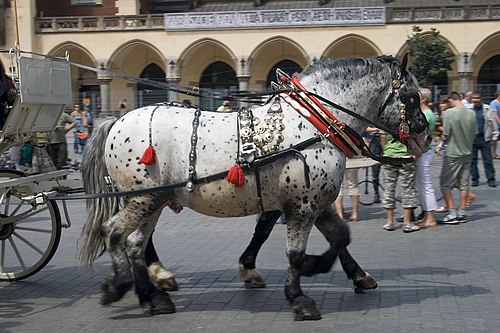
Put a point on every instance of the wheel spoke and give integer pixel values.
(28, 243)
(18, 255)
(46, 231)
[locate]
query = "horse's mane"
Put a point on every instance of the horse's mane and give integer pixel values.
(355, 67)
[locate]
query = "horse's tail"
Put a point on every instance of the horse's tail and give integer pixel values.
(96, 180)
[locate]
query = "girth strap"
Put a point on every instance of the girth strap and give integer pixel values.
(192, 153)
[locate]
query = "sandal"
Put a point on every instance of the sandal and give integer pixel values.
(427, 225)
(441, 209)
(470, 199)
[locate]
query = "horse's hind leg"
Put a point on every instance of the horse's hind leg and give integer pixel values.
(246, 268)
(157, 272)
(131, 232)
(114, 288)
(337, 233)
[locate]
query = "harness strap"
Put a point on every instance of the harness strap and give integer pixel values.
(192, 153)
(204, 180)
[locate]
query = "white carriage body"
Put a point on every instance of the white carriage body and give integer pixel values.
(44, 92)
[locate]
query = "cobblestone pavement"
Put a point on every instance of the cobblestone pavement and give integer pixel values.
(438, 280)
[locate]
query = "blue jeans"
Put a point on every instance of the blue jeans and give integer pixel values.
(485, 148)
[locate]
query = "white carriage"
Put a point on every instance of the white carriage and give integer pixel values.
(30, 225)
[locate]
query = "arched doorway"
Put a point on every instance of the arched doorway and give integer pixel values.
(288, 66)
(146, 94)
(488, 80)
(217, 79)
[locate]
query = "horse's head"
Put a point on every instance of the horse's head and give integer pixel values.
(400, 110)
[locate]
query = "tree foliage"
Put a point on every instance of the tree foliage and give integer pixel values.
(429, 55)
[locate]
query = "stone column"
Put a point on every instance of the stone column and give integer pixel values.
(104, 80)
(172, 95)
(243, 85)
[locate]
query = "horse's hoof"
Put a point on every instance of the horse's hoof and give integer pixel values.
(304, 308)
(110, 293)
(251, 277)
(255, 284)
(364, 283)
(161, 304)
(169, 284)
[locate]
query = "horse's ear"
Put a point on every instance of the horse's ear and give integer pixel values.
(405, 61)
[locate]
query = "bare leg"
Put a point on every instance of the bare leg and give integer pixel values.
(355, 205)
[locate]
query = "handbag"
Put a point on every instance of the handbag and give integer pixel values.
(82, 137)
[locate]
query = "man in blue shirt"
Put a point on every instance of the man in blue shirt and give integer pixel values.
(487, 130)
(495, 108)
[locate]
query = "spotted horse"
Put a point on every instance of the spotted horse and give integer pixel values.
(170, 156)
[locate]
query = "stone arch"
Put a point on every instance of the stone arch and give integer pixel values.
(485, 66)
(351, 45)
(270, 52)
(133, 58)
(198, 56)
(83, 81)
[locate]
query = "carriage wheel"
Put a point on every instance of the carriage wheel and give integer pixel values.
(29, 241)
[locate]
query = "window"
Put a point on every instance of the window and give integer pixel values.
(86, 2)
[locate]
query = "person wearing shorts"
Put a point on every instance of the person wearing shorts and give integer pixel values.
(459, 129)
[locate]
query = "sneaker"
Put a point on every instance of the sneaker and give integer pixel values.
(492, 183)
(475, 183)
(410, 228)
(450, 219)
(462, 218)
(389, 226)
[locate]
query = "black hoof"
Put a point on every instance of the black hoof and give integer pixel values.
(111, 293)
(161, 304)
(364, 283)
(304, 308)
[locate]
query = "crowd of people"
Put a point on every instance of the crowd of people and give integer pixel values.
(462, 127)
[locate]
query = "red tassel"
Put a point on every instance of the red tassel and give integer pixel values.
(236, 176)
(149, 156)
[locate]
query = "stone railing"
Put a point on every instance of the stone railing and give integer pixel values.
(444, 14)
(99, 23)
(157, 21)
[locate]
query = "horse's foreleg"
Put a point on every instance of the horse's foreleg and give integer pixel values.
(246, 268)
(299, 224)
(156, 271)
(337, 233)
(361, 279)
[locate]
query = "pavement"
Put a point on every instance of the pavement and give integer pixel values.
(445, 279)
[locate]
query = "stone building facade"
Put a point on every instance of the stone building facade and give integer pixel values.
(236, 45)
